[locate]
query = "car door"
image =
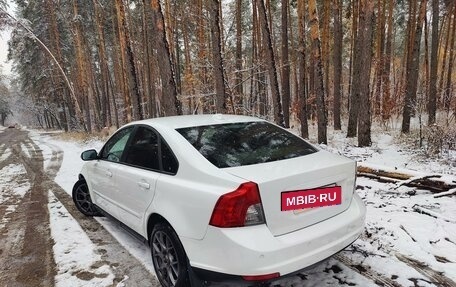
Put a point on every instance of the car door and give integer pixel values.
(137, 177)
(103, 177)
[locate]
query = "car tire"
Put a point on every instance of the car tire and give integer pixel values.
(82, 199)
(168, 256)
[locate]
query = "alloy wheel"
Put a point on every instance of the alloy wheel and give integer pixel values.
(165, 258)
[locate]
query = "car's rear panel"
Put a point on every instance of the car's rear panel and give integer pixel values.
(320, 169)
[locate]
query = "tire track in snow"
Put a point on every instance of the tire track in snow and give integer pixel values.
(436, 277)
(27, 258)
(367, 272)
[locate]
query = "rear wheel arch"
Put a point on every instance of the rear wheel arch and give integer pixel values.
(155, 218)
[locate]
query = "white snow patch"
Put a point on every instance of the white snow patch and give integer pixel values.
(13, 187)
(74, 252)
(6, 154)
(9, 176)
(25, 150)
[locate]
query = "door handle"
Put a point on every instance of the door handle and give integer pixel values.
(108, 173)
(144, 184)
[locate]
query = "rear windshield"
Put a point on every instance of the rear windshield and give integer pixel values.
(238, 144)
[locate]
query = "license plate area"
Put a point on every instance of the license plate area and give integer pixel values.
(311, 198)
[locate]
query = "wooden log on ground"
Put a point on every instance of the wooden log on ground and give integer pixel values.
(432, 182)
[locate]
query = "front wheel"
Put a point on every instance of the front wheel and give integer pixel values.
(82, 200)
(168, 256)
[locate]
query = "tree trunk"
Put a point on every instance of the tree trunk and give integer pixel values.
(285, 66)
(358, 71)
(432, 104)
(170, 103)
(82, 79)
(302, 69)
(337, 57)
(270, 62)
(99, 23)
(217, 60)
(364, 119)
(64, 99)
(319, 88)
(381, 23)
(129, 66)
(448, 89)
(412, 72)
(353, 114)
(386, 90)
(238, 74)
(325, 43)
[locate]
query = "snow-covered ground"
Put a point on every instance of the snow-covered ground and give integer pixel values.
(397, 236)
(74, 253)
(13, 187)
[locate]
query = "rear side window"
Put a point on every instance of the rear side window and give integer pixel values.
(238, 144)
(169, 162)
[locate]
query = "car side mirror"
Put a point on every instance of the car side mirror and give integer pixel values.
(90, 154)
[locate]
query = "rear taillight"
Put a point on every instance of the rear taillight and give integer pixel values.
(241, 207)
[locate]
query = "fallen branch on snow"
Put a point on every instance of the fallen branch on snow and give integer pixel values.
(434, 182)
(405, 230)
(431, 213)
(445, 193)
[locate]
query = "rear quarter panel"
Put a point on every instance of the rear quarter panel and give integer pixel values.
(186, 200)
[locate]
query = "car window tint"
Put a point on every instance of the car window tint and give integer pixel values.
(169, 162)
(143, 149)
(114, 148)
(238, 144)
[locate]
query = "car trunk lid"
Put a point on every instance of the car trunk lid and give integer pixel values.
(305, 173)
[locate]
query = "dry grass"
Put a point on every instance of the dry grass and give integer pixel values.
(81, 137)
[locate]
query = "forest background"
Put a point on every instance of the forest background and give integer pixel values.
(86, 65)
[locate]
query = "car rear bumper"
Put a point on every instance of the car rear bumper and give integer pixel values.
(250, 251)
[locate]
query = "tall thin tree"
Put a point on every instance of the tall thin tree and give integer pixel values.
(319, 87)
(432, 104)
(412, 70)
(285, 66)
(271, 64)
(170, 103)
(217, 60)
(337, 58)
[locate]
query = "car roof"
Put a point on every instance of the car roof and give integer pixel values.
(176, 122)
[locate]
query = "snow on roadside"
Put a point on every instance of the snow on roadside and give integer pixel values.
(68, 175)
(72, 163)
(78, 264)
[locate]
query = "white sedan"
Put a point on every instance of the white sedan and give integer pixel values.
(223, 197)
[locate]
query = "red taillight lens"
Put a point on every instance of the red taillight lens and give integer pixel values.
(239, 208)
(261, 277)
